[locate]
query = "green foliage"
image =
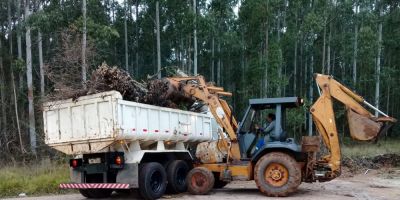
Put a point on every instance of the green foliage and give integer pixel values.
(275, 77)
(257, 44)
(295, 118)
(313, 24)
(18, 65)
(368, 45)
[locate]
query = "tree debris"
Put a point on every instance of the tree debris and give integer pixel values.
(153, 91)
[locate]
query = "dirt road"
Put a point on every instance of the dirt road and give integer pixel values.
(373, 185)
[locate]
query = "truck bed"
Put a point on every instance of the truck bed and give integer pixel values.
(91, 123)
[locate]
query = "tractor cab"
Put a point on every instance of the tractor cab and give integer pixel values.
(264, 126)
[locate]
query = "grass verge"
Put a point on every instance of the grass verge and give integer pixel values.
(367, 149)
(32, 180)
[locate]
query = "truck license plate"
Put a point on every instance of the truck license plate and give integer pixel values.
(94, 160)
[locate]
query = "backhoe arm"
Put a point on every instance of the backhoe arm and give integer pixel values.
(196, 87)
(363, 125)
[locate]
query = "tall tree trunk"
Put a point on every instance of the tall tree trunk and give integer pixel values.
(295, 60)
(388, 99)
(310, 96)
(137, 36)
(84, 70)
(219, 64)
(324, 41)
(265, 93)
(323, 49)
(31, 111)
(126, 37)
(158, 39)
(355, 46)
(182, 53)
(188, 54)
(242, 66)
(21, 144)
(301, 69)
(10, 38)
(195, 38)
(3, 122)
(19, 42)
(328, 59)
(278, 89)
(378, 62)
(12, 74)
(41, 68)
(213, 58)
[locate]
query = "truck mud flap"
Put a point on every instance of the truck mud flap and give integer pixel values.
(94, 186)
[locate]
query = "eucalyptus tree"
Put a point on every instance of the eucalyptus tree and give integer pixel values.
(31, 109)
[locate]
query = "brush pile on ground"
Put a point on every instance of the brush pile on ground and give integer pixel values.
(105, 78)
(376, 162)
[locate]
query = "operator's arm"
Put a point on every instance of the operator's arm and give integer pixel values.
(269, 128)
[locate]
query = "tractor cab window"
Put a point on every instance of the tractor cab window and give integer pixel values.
(248, 121)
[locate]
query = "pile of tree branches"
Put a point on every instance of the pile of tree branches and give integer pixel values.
(105, 78)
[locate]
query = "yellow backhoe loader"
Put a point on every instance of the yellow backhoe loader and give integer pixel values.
(279, 164)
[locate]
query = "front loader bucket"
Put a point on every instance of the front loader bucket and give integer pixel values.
(362, 127)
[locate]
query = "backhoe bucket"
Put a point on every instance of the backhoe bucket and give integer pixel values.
(362, 127)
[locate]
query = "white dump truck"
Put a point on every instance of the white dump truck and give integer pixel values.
(118, 144)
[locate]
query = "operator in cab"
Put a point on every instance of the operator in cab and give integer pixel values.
(268, 133)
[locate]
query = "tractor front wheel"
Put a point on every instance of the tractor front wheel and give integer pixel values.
(200, 181)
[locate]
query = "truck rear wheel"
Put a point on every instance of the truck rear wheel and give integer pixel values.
(277, 174)
(176, 176)
(85, 193)
(200, 181)
(152, 180)
(95, 193)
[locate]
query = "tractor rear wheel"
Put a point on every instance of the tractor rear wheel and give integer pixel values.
(277, 174)
(200, 181)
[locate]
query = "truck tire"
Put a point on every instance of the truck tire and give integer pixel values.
(95, 193)
(85, 193)
(176, 176)
(277, 174)
(200, 181)
(152, 180)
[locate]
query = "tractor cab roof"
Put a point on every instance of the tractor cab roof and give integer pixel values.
(271, 103)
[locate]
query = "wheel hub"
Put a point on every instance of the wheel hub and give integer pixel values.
(199, 180)
(276, 174)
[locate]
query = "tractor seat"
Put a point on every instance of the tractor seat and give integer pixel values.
(280, 137)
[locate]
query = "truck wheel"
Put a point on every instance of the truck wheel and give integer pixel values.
(85, 193)
(176, 176)
(96, 193)
(277, 174)
(152, 180)
(200, 181)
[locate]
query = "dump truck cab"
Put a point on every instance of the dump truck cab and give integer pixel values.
(254, 140)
